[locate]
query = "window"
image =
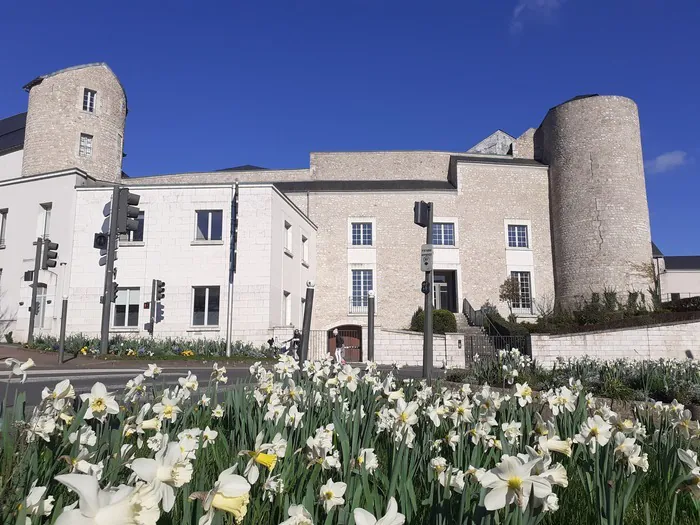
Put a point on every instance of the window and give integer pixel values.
(287, 236)
(205, 306)
(136, 235)
(362, 234)
(361, 286)
(44, 225)
(517, 236)
(304, 249)
(444, 233)
(3, 226)
(85, 145)
(524, 302)
(209, 225)
(286, 308)
(89, 100)
(126, 308)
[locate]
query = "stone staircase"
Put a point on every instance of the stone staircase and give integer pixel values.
(476, 340)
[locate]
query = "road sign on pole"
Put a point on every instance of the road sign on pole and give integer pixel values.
(426, 258)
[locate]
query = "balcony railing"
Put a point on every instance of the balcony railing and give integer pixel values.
(666, 297)
(358, 304)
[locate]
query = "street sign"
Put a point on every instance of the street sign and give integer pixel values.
(426, 258)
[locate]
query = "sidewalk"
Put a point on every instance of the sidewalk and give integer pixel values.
(49, 360)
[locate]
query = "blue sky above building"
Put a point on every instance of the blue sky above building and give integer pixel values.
(212, 86)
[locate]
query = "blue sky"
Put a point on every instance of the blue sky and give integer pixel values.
(214, 85)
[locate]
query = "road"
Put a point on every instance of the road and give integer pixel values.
(115, 379)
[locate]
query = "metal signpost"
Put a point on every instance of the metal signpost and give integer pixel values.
(370, 326)
(423, 216)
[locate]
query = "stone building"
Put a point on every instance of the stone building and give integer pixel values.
(562, 208)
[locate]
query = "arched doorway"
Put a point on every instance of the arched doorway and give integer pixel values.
(352, 337)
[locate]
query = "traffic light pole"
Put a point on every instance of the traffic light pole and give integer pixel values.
(153, 307)
(35, 286)
(428, 326)
(109, 272)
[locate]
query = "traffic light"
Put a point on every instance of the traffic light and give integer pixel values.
(49, 255)
(128, 213)
(160, 290)
(113, 290)
(101, 241)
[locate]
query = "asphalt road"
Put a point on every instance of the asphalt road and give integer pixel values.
(115, 379)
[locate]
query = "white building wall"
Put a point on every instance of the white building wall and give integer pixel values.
(23, 198)
(11, 165)
(170, 253)
(684, 282)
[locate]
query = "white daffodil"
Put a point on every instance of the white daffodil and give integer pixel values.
(512, 431)
(167, 471)
(85, 435)
(219, 373)
(208, 436)
(188, 384)
(511, 481)
(293, 418)
(367, 460)
(331, 494)
(153, 371)
(523, 393)
(135, 388)
(155, 442)
(348, 376)
(120, 506)
(231, 493)
(167, 408)
(204, 401)
(19, 368)
(36, 505)
(100, 403)
(217, 412)
(57, 397)
(594, 431)
(298, 515)
(273, 487)
(462, 412)
(392, 516)
(260, 456)
(41, 426)
(560, 400)
(404, 414)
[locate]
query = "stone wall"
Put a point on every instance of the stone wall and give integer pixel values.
(55, 120)
(406, 348)
(380, 165)
(651, 342)
(223, 177)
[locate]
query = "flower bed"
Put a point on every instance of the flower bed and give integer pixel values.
(149, 347)
(333, 444)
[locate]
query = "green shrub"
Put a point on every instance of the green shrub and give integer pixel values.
(687, 304)
(443, 321)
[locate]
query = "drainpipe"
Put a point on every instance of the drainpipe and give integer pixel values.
(232, 268)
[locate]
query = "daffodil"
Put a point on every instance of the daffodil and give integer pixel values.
(231, 493)
(298, 515)
(167, 408)
(122, 505)
(57, 397)
(167, 471)
(100, 403)
(260, 456)
(36, 504)
(348, 376)
(217, 412)
(19, 368)
(392, 516)
(367, 460)
(153, 371)
(188, 384)
(511, 481)
(523, 393)
(331, 494)
(208, 436)
(594, 431)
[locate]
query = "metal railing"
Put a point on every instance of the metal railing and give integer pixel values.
(358, 304)
(475, 317)
(677, 296)
(488, 346)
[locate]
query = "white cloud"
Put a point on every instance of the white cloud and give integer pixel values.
(667, 162)
(532, 9)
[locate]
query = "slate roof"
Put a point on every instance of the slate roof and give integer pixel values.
(245, 167)
(655, 252)
(363, 185)
(682, 262)
(12, 133)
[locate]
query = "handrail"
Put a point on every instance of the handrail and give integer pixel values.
(478, 317)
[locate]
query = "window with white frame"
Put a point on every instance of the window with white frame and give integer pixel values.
(209, 225)
(126, 308)
(288, 239)
(85, 145)
(44, 226)
(444, 233)
(205, 306)
(517, 236)
(286, 308)
(3, 226)
(524, 301)
(89, 97)
(304, 249)
(135, 235)
(361, 233)
(362, 284)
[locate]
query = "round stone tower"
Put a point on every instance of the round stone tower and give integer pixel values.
(76, 119)
(599, 216)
